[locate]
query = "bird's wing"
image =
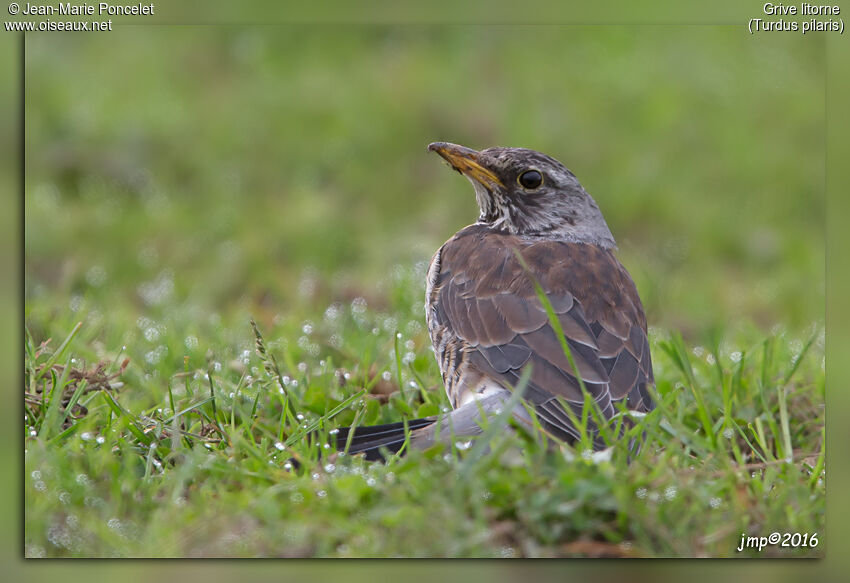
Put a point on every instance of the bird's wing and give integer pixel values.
(484, 296)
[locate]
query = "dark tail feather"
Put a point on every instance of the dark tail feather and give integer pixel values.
(371, 440)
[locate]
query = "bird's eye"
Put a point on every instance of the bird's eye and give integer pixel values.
(530, 179)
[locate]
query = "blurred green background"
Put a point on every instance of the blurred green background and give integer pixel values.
(180, 180)
(223, 169)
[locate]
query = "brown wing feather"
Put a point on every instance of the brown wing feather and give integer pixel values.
(483, 295)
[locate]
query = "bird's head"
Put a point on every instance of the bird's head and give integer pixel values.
(525, 192)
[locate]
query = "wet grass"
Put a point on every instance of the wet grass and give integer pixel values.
(227, 191)
(196, 460)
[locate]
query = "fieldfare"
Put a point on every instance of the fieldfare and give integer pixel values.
(539, 233)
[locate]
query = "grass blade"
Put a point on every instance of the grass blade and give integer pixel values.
(302, 431)
(52, 421)
(59, 351)
(132, 425)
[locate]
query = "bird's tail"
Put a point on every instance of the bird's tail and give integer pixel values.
(375, 440)
(464, 421)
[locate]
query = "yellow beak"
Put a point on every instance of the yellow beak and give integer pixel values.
(466, 161)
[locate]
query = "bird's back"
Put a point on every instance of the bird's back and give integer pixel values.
(487, 324)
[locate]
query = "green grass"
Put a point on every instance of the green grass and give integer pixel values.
(734, 446)
(279, 175)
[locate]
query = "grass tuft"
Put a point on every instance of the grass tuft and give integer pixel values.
(736, 439)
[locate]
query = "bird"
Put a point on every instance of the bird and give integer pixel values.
(539, 262)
